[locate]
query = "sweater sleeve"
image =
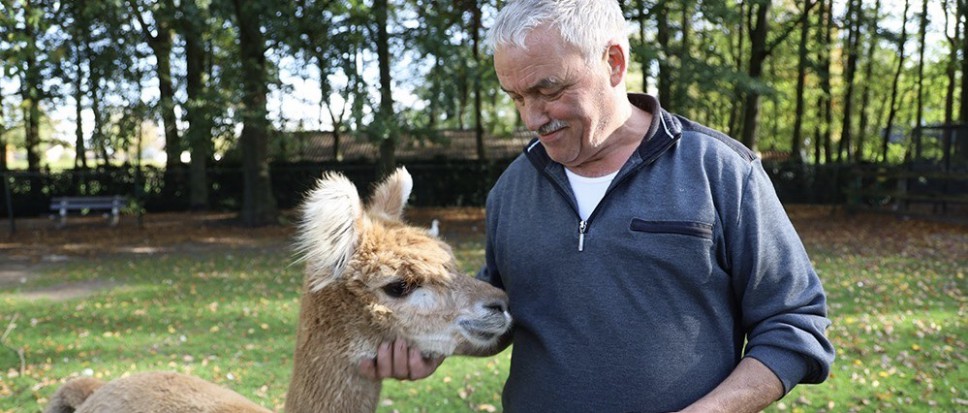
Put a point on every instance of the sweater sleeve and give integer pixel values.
(784, 310)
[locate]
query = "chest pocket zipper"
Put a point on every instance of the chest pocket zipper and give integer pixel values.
(695, 229)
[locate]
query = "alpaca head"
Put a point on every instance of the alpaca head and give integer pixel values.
(403, 280)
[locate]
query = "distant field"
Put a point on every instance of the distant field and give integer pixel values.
(65, 164)
(209, 302)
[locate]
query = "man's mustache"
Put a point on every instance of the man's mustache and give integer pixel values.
(551, 127)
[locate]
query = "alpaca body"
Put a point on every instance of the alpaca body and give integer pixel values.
(154, 392)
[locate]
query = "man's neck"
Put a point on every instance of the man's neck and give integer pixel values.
(619, 146)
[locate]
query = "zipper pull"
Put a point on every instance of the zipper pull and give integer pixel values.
(582, 227)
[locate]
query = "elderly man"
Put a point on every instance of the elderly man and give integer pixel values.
(649, 264)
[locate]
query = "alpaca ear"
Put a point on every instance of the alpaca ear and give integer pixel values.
(329, 229)
(390, 197)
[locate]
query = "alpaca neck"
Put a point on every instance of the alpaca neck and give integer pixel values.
(325, 375)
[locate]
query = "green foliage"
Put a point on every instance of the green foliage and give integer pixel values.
(100, 47)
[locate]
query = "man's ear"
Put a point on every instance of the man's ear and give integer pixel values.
(617, 60)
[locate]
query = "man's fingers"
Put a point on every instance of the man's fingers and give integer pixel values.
(384, 361)
(421, 367)
(398, 360)
(418, 367)
(368, 368)
(401, 366)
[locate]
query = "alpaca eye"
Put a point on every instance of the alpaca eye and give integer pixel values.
(399, 289)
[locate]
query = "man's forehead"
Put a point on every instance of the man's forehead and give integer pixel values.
(542, 83)
(520, 70)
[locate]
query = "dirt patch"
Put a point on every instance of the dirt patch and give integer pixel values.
(17, 270)
(12, 273)
(85, 237)
(69, 291)
(38, 244)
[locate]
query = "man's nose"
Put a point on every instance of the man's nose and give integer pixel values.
(533, 114)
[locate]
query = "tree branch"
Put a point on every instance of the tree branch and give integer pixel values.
(791, 26)
(144, 26)
(19, 351)
(944, 7)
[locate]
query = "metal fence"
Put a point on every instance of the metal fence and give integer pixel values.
(906, 189)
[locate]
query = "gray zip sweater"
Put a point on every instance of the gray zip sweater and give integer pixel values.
(647, 305)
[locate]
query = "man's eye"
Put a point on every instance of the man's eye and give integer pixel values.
(552, 94)
(399, 289)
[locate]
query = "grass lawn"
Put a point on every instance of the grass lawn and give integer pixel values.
(227, 314)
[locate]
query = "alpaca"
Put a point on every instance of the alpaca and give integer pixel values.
(370, 278)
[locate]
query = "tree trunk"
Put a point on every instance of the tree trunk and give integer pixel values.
(196, 110)
(32, 120)
(80, 152)
(359, 90)
(463, 90)
(868, 82)
(963, 113)
(685, 71)
(646, 63)
(821, 145)
(258, 203)
(662, 36)
(30, 94)
(97, 133)
(796, 145)
(478, 72)
(735, 106)
(388, 140)
(98, 140)
(922, 32)
(3, 140)
(337, 134)
(951, 69)
(161, 43)
(337, 122)
(854, 17)
(166, 101)
(758, 53)
(892, 109)
(436, 78)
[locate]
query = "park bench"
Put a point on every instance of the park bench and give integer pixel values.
(63, 204)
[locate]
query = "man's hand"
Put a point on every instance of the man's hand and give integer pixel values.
(751, 387)
(399, 361)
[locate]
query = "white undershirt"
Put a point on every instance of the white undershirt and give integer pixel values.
(588, 191)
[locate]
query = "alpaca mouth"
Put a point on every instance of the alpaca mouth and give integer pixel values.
(485, 330)
(429, 355)
(480, 335)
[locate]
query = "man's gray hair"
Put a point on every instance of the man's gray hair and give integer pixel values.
(586, 24)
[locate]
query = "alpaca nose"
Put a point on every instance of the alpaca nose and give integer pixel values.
(499, 307)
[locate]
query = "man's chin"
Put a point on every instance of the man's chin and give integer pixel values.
(561, 154)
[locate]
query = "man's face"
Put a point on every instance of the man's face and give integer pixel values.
(567, 102)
